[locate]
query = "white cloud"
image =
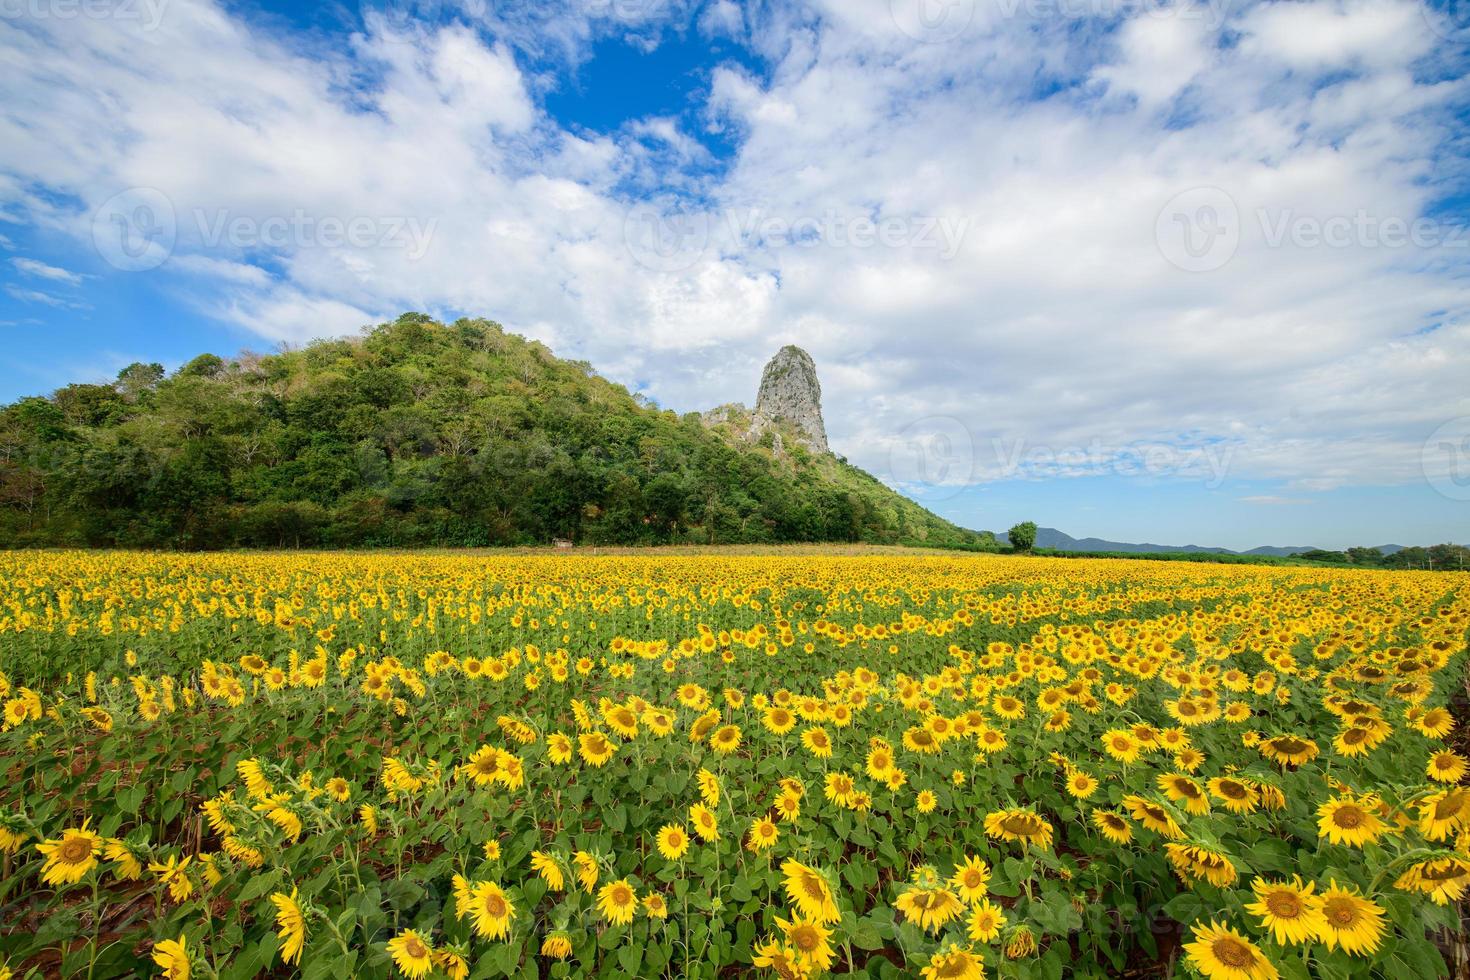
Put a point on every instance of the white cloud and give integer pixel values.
(41, 270)
(45, 299)
(1055, 323)
(1159, 57)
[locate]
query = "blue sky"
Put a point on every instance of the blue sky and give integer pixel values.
(1188, 273)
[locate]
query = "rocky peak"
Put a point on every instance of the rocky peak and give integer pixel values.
(791, 393)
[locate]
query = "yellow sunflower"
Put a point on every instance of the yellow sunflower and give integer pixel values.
(1444, 880)
(971, 879)
(1221, 952)
(557, 945)
(1113, 826)
(69, 858)
(986, 921)
(1153, 816)
(706, 824)
(617, 901)
(1289, 750)
(412, 953)
(1019, 825)
(673, 841)
(586, 865)
(953, 962)
(595, 748)
(1350, 821)
(491, 910)
(810, 940)
(1288, 909)
(809, 890)
(1351, 921)
(929, 906)
(817, 742)
(290, 925)
(170, 955)
(726, 739)
(550, 870)
(762, 835)
(1446, 767)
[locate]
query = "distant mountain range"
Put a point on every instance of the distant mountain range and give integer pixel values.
(1050, 537)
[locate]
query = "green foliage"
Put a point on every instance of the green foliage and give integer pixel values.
(416, 433)
(1023, 536)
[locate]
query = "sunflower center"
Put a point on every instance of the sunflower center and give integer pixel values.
(415, 949)
(1449, 806)
(1284, 905)
(1232, 790)
(495, 906)
(1450, 872)
(805, 938)
(1348, 817)
(1340, 912)
(621, 895)
(952, 967)
(1233, 953)
(75, 850)
(1019, 824)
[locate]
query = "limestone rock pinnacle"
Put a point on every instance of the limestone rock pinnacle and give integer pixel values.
(790, 392)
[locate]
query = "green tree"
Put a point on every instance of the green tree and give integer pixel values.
(1023, 536)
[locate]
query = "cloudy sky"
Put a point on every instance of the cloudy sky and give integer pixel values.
(1145, 271)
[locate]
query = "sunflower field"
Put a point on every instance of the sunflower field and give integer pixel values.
(716, 765)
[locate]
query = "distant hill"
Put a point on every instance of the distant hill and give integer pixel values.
(420, 433)
(1055, 540)
(1051, 538)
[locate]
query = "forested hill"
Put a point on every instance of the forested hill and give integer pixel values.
(416, 433)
